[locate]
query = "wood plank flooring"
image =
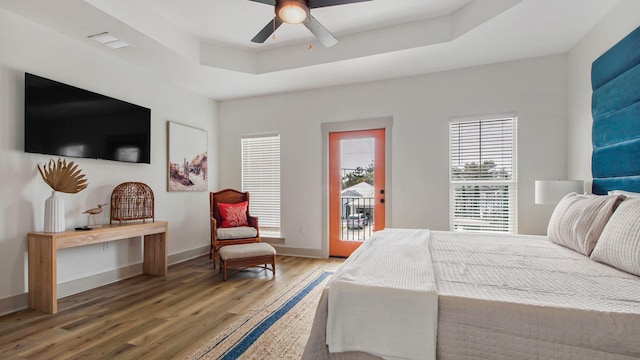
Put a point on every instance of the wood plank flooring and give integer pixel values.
(147, 317)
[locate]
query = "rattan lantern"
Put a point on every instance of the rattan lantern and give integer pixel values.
(132, 201)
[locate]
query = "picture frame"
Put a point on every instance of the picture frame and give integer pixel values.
(187, 168)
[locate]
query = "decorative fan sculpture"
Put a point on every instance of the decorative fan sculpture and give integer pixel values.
(63, 177)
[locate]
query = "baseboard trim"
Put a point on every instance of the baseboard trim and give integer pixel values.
(14, 303)
(290, 251)
(272, 240)
(93, 281)
(19, 302)
(188, 255)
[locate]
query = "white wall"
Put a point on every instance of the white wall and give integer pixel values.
(421, 107)
(617, 24)
(28, 47)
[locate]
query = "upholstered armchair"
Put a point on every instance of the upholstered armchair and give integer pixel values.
(231, 223)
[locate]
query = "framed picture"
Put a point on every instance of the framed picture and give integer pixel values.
(188, 167)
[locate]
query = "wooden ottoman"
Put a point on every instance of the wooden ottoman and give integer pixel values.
(244, 256)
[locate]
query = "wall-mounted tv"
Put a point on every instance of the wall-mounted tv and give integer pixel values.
(65, 120)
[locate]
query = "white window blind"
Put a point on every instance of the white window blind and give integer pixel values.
(483, 175)
(261, 178)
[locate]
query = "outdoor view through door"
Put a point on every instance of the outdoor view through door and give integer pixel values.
(356, 188)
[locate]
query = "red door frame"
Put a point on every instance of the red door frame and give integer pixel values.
(337, 246)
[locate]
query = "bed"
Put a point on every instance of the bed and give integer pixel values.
(505, 297)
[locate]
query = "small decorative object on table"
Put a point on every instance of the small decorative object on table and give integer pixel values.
(61, 177)
(93, 214)
(132, 201)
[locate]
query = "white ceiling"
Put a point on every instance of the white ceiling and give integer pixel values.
(204, 45)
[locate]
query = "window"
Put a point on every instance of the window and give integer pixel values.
(261, 178)
(483, 175)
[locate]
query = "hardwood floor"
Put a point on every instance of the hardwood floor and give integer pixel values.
(147, 317)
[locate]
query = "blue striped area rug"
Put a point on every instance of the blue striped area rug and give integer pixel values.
(278, 329)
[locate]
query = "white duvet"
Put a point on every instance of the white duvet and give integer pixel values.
(369, 302)
(500, 296)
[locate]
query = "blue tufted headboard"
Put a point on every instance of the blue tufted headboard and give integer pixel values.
(615, 104)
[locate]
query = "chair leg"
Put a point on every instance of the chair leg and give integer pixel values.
(273, 266)
(223, 267)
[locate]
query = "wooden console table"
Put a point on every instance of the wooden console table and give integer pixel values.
(43, 247)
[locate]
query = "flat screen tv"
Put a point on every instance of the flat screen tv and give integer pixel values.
(64, 120)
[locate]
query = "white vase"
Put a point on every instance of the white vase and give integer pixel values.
(54, 213)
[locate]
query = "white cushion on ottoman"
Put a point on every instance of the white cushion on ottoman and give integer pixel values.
(244, 251)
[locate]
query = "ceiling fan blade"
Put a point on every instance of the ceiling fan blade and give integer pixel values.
(268, 2)
(324, 3)
(325, 37)
(267, 30)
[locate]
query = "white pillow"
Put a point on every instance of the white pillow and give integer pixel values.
(619, 244)
(578, 220)
(625, 193)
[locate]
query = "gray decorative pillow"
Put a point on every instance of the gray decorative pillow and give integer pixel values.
(619, 244)
(578, 220)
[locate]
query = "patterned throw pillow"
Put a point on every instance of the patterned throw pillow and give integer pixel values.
(233, 214)
(619, 244)
(578, 220)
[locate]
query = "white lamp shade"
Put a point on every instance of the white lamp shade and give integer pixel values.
(552, 191)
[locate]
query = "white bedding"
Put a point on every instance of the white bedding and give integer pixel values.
(517, 297)
(387, 292)
(529, 270)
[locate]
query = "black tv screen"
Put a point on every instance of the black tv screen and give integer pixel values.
(65, 120)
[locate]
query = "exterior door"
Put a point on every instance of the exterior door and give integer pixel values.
(356, 188)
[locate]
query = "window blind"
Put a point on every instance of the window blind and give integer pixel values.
(261, 178)
(483, 176)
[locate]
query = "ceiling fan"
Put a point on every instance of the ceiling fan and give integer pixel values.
(296, 12)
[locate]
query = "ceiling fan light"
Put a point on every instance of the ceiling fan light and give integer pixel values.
(292, 12)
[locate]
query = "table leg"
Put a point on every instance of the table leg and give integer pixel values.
(155, 254)
(42, 274)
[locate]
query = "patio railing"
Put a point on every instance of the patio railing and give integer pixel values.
(360, 226)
